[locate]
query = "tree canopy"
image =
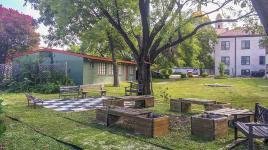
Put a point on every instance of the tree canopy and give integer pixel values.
(17, 33)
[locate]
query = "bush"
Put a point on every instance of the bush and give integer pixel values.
(221, 69)
(166, 72)
(204, 74)
(48, 88)
(183, 75)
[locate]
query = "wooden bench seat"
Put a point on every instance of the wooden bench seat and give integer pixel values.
(69, 91)
(33, 100)
(85, 89)
(260, 131)
(256, 129)
(134, 88)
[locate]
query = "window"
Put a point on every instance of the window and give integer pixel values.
(111, 69)
(262, 60)
(227, 71)
(245, 72)
(225, 60)
(102, 69)
(91, 65)
(131, 70)
(225, 45)
(245, 44)
(120, 69)
(245, 60)
(261, 45)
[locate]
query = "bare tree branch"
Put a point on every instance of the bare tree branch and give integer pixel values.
(144, 11)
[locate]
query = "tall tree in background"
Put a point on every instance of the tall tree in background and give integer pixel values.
(17, 33)
(148, 27)
(102, 40)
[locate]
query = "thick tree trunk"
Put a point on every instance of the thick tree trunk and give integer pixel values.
(115, 65)
(144, 77)
(261, 6)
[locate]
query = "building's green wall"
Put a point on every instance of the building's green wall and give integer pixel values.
(80, 70)
(74, 64)
(91, 74)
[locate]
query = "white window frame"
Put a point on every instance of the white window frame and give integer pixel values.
(101, 69)
(225, 45)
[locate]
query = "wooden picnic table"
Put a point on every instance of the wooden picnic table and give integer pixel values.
(184, 104)
(245, 115)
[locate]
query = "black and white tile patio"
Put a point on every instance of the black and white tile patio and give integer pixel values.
(69, 105)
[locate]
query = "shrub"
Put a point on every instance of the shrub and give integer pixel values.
(183, 75)
(166, 72)
(204, 74)
(221, 69)
(47, 88)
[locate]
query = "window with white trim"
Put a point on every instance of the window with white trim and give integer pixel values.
(225, 45)
(111, 69)
(101, 69)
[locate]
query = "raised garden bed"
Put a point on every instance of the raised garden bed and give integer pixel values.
(208, 126)
(217, 105)
(140, 121)
(113, 101)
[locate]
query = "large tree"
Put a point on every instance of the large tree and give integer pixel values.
(17, 33)
(261, 6)
(148, 27)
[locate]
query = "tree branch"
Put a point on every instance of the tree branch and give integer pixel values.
(181, 39)
(119, 29)
(144, 6)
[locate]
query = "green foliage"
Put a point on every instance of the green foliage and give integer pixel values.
(166, 72)
(47, 88)
(204, 74)
(2, 127)
(221, 69)
(183, 75)
(164, 95)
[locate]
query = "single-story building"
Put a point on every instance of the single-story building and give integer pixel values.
(82, 69)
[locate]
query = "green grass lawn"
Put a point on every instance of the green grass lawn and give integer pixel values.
(79, 128)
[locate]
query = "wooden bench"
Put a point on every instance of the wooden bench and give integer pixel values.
(85, 89)
(33, 100)
(256, 129)
(69, 91)
(184, 104)
(134, 88)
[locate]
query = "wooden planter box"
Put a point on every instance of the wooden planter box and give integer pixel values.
(113, 102)
(101, 116)
(178, 106)
(151, 126)
(217, 105)
(210, 127)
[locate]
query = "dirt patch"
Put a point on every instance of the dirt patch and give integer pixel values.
(178, 122)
